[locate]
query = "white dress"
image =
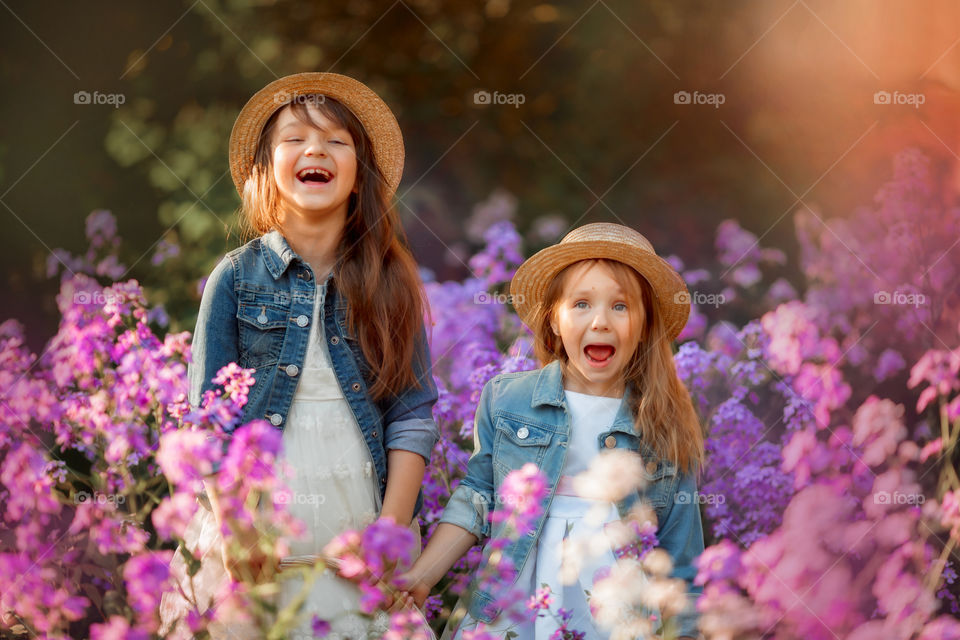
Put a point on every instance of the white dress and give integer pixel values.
(333, 488)
(566, 518)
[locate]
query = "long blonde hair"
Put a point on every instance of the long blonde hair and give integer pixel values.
(664, 417)
(376, 270)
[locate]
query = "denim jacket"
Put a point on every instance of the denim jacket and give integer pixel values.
(256, 310)
(522, 417)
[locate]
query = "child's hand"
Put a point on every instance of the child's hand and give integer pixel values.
(415, 589)
(255, 566)
(400, 602)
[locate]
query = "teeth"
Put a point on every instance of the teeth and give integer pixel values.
(314, 171)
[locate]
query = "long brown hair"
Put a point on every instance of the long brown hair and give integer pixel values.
(664, 416)
(375, 269)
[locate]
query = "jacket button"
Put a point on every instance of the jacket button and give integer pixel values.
(374, 434)
(334, 340)
(610, 442)
(356, 387)
(276, 419)
(262, 318)
(522, 433)
(292, 370)
(651, 467)
(302, 320)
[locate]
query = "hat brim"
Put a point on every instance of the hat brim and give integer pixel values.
(529, 285)
(372, 112)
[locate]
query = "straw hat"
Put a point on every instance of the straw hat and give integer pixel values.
(372, 112)
(603, 240)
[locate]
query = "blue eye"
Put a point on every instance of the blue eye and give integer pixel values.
(620, 306)
(577, 305)
(338, 142)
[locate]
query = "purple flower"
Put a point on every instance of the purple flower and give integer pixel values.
(319, 627)
(147, 577)
(890, 362)
(718, 562)
(371, 598)
(186, 456)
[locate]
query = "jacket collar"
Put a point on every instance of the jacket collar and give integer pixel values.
(549, 387)
(549, 391)
(277, 253)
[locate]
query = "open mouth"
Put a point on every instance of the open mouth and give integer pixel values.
(599, 353)
(314, 175)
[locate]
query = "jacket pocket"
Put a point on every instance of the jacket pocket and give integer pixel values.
(517, 442)
(262, 320)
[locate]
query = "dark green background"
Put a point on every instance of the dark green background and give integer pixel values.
(598, 80)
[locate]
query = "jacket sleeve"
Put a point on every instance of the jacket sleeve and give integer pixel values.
(408, 417)
(216, 337)
(470, 504)
(681, 535)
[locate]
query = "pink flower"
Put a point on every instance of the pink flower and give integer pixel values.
(236, 382)
(795, 338)
(173, 514)
(186, 455)
(116, 628)
(522, 491)
(371, 598)
(950, 512)
(408, 625)
(944, 627)
(939, 370)
(822, 385)
(878, 427)
(718, 562)
(805, 456)
(480, 633)
(541, 600)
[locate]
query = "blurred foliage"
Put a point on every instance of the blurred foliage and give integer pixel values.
(594, 100)
(597, 137)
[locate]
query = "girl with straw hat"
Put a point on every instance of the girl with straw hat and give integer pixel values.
(326, 306)
(604, 309)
